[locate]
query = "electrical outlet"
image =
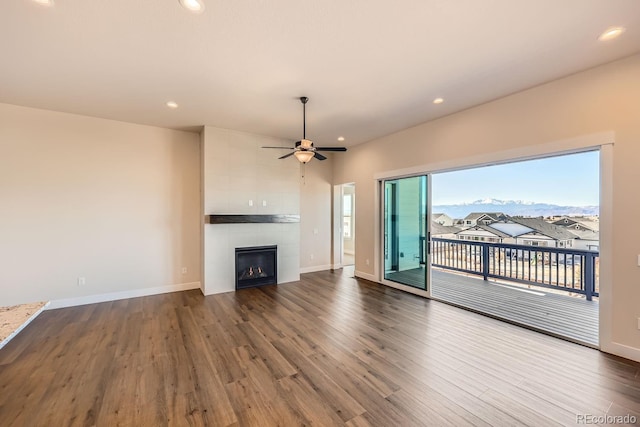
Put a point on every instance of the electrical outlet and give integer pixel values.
(315, 231)
(250, 202)
(638, 322)
(264, 203)
(82, 281)
(184, 270)
(311, 256)
(367, 261)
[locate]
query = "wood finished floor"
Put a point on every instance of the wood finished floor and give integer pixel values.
(328, 350)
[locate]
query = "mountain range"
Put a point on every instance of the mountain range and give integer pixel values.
(514, 208)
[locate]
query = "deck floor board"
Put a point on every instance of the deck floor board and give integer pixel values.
(567, 315)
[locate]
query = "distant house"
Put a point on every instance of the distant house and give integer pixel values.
(587, 240)
(514, 230)
(484, 233)
(442, 219)
(531, 232)
(443, 231)
(578, 223)
(484, 218)
(544, 234)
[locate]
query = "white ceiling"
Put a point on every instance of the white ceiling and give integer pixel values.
(370, 67)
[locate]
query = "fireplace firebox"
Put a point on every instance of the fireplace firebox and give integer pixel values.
(256, 266)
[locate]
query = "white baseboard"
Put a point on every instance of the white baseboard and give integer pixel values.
(336, 266)
(367, 276)
(621, 350)
(113, 296)
(315, 268)
(29, 320)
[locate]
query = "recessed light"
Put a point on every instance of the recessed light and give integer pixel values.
(172, 104)
(438, 101)
(341, 138)
(195, 6)
(44, 2)
(611, 33)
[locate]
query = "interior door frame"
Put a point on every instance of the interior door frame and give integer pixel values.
(337, 250)
(338, 226)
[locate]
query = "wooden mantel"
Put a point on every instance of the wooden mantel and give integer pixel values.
(251, 219)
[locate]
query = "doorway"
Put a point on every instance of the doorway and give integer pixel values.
(348, 224)
(520, 241)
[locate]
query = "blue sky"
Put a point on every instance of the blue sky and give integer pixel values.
(571, 180)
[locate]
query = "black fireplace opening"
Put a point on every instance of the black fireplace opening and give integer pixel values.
(256, 266)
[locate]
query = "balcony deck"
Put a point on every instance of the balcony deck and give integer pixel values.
(571, 317)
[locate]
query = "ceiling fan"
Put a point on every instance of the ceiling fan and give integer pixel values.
(304, 149)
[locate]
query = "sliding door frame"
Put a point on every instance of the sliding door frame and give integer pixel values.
(603, 141)
(380, 236)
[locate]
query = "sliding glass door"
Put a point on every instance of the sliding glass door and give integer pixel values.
(406, 231)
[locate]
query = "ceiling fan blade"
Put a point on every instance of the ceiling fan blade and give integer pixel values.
(285, 156)
(319, 156)
(282, 148)
(331, 149)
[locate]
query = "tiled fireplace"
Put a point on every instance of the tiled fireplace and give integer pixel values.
(250, 199)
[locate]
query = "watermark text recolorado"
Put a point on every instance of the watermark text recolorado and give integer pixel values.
(605, 419)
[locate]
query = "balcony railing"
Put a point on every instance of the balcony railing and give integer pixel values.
(568, 270)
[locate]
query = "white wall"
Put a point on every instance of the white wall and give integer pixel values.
(315, 215)
(113, 202)
(235, 171)
(606, 98)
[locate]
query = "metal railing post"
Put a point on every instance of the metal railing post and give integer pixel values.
(589, 276)
(485, 261)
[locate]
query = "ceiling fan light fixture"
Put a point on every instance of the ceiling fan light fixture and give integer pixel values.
(304, 156)
(304, 149)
